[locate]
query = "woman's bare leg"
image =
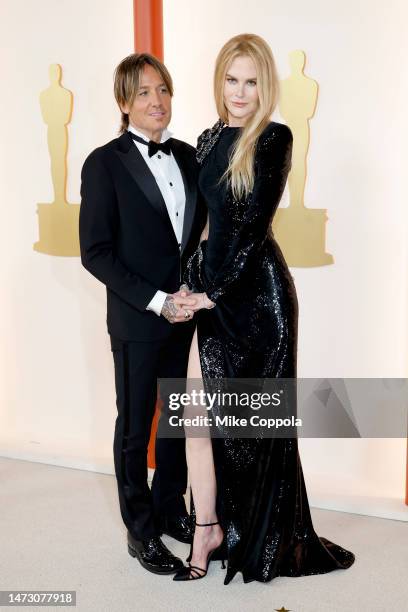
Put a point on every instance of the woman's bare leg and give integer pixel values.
(200, 463)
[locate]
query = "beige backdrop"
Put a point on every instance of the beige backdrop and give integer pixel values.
(57, 396)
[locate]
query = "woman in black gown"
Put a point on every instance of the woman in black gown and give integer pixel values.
(247, 328)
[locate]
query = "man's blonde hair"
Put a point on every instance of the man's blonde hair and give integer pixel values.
(127, 79)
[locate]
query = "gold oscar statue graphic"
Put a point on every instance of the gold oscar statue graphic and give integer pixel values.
(300, 231)
(58, 221)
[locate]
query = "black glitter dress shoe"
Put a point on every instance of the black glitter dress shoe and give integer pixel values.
(179, 528)
(153, 555)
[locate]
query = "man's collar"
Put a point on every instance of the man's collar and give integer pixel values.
(165, 135)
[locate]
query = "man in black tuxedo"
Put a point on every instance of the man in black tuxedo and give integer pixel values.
(139, 222)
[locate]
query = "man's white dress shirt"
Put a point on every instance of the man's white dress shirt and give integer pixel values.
(170, 182)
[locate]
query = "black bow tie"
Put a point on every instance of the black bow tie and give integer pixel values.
(153, 147)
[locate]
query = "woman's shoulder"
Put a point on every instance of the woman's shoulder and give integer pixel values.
(276, 131)
(274, 147)
(203, 137)
(207, 133)
(207, 139)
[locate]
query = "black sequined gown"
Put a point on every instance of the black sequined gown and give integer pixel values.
(252, 332)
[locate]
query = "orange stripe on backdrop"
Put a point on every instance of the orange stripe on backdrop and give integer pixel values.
(148, 27)
(148, 38)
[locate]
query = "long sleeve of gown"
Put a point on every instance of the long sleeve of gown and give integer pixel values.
(192, 274)
(272, 165)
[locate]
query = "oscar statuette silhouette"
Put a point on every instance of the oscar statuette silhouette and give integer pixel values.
(58, 220)
(300, 231)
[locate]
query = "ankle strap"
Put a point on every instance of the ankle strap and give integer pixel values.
(207, 524)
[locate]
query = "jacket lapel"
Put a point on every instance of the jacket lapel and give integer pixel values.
(190, 189)
(140, 172)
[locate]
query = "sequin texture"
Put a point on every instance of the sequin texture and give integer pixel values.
(252, 333)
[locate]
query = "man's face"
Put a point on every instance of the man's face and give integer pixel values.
(150, 112)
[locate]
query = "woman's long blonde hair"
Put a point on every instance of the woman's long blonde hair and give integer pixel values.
(240, 172)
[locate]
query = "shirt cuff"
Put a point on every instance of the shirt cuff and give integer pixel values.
(157, 301)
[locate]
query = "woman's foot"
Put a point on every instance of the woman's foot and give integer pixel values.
(206, 539)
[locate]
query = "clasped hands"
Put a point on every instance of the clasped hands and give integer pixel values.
(180, 307)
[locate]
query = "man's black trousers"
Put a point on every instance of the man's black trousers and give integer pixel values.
(138, 365)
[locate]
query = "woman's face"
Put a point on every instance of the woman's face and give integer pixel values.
(240, 91)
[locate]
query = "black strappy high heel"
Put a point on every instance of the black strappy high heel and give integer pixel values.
(193, 572)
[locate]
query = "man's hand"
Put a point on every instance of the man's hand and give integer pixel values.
(184, 289)
(201, 301)
(177, 308)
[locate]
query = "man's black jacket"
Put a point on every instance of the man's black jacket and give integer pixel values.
(126, 236)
